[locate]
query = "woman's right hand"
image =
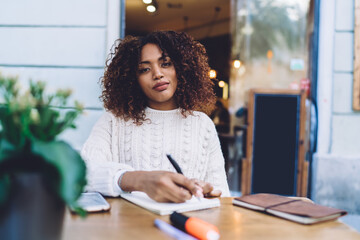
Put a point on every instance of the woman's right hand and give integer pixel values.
(161, 186)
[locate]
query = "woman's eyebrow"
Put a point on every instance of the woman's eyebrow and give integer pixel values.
(165, 57)
(144, 62)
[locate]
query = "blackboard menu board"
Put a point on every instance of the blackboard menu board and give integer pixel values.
(275, 143)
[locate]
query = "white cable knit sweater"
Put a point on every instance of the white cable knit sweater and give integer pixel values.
(115, 145)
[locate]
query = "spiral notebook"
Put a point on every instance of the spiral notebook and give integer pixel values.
(142, 200)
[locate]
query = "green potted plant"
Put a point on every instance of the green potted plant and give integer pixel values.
(39, 174)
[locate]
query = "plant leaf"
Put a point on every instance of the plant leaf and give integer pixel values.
(7, 150)
(5, 186)
(11, 130)
(68, 162)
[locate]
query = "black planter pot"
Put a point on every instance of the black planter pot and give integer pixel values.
(32, 213)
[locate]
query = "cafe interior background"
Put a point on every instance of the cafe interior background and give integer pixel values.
(278, 44)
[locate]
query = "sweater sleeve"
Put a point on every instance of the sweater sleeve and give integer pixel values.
(216, 166)
(102, 168)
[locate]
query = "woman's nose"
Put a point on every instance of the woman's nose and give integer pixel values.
(157, 74)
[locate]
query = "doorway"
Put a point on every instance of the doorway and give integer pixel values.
(250, 44)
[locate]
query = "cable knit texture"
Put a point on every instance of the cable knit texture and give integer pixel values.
(115, 144)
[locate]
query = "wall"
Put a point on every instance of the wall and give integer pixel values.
(336, 167)
(64, 43)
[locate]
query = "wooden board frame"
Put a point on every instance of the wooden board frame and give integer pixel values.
(356, 83)
(303, 165)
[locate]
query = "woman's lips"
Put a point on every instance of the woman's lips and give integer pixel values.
(161, 86)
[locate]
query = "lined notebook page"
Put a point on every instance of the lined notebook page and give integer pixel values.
(142, 200)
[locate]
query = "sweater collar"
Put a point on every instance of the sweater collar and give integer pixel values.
(151, 110)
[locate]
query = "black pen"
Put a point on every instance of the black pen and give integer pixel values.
(177, 168)
(174, 163)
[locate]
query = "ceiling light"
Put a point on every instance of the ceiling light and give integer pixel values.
(221, 84)
(212, 74)
(151, 8)
(147, 1)
(237, 63)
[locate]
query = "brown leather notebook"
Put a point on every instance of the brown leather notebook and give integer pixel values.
(296, 210)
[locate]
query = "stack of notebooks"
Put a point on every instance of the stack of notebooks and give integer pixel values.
(296, 210)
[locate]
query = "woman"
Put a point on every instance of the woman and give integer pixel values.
(155, 90)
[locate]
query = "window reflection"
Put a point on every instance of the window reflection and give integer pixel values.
(269, 39)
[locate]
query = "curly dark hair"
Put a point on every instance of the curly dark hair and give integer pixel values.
(121, 92)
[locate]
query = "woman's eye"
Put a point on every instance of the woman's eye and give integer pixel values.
(143, 70)
(166, 64)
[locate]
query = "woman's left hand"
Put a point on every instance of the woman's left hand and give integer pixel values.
(207, 189)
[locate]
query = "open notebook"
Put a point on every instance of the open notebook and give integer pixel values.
(142, 200)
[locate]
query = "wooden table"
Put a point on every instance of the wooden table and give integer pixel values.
(127, 221)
